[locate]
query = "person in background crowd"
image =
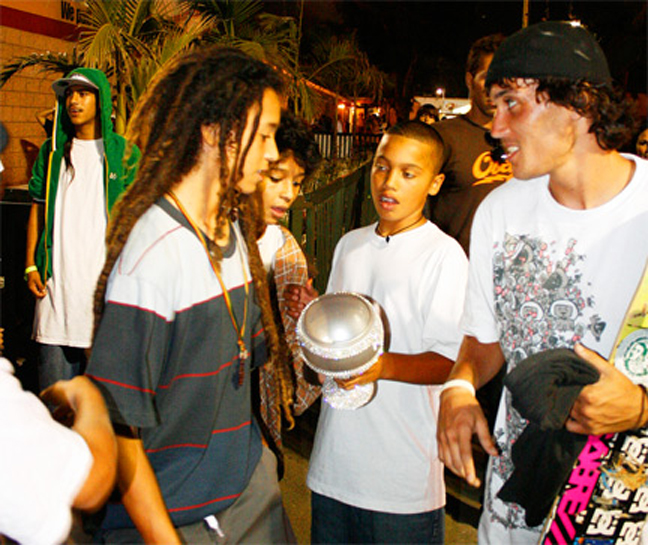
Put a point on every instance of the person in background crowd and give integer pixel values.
(79, 175)
(427, 114)
(471, 171)
(642, 144)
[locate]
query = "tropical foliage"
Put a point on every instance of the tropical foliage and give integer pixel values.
(130, 40)
(44, 62)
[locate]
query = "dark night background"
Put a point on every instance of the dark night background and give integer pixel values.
(424, 44)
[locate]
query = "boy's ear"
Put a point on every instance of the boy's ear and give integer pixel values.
(436, 184)
(468, 79)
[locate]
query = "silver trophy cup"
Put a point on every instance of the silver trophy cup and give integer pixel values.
(341, 335)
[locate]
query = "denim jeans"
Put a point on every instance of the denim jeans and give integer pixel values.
(59, 363)
(336, 522)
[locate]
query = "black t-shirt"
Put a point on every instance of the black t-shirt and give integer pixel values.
(470, 174)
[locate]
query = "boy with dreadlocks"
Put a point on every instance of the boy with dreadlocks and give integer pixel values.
(176, 298)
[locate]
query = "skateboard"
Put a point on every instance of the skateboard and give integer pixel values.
(605, 498)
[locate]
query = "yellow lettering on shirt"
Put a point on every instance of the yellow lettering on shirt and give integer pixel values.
(487, 171)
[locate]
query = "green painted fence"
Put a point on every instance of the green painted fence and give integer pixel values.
(320, 218)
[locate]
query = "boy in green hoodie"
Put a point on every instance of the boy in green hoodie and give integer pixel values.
(79, 175)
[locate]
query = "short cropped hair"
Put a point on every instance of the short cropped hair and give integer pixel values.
(417, 130)
(484, 46)
(295, 136)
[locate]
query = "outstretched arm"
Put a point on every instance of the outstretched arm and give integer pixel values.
(460, 416)
(79, 401)
(424, 368)
(140, 491)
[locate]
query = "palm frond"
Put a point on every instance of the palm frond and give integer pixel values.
(240, 11)
(305, 100)
(208, 10)
(165, 48)
(252, 48)
(99, 48)
(94, 16)
(60, 63)
(137, 14)
(227, 17)
(279, 38)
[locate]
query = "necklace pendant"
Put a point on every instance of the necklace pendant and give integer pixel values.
(243, 353)
(241, 373)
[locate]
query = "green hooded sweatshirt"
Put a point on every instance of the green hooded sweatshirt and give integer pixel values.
(120, 164)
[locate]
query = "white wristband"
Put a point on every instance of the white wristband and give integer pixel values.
(458, 383)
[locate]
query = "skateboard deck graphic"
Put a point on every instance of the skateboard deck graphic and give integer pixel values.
(605, 498)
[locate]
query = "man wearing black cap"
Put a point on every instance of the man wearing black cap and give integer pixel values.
(556, 254)
(78, 176)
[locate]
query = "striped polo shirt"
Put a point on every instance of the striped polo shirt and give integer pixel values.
(167, 361)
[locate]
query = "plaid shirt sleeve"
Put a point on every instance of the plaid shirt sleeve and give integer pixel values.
(291, 268)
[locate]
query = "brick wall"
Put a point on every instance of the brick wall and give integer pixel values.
(22, 97)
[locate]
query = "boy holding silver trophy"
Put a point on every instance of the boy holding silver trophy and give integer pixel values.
(374, 472)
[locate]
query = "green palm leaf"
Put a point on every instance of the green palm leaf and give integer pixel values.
(60, 63)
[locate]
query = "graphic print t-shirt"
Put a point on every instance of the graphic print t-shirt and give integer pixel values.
(543, 276)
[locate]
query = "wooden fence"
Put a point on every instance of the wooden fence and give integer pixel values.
(319, 219)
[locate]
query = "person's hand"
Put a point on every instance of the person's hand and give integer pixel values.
(370, 375)
(610, 405)
(72, 397)
(80, 405)
(460, 417)
(297, 296)
(35, 284)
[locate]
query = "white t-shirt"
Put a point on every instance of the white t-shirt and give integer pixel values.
(545, 276)
(64, 316)
(383, 456)
(43, 465)
(271, 240)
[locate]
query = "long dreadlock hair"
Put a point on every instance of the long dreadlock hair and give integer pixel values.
(252, 224)
(295, 138)
(211, 87)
